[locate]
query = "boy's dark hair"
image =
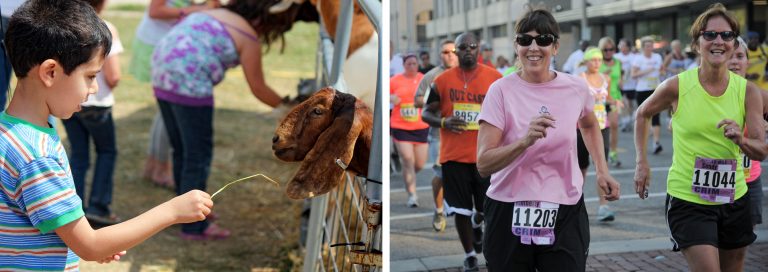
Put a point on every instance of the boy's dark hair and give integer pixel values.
(95, 3)
(539, 20)
(69, 32)
(270, 27)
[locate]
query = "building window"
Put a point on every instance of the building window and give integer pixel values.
(498, 31)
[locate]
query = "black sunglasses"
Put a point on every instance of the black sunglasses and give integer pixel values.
(611, 49)
(541, 39)
(465, 46)
(725, 35)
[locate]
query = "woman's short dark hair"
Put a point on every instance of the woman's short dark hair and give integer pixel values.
(539, 20)
(408, 56)
(69, 32)
(270, 27)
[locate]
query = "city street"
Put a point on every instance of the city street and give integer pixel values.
(639, 225)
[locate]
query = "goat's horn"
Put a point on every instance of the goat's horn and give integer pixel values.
(283, 6)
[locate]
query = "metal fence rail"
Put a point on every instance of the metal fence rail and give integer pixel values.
(344, 231)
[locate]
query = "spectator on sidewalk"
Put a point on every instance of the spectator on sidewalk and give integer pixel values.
(453, 105)
(527, 146)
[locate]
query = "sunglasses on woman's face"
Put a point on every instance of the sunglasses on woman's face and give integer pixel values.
(465, 46)
(712, 35)
(541, 39)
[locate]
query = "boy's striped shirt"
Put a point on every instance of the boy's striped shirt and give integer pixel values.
(37, 195)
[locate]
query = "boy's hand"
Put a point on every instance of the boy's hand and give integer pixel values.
(191, 207)
(115, 257)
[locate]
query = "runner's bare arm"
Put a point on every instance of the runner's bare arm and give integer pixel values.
(753, 145)
(593, 139)
(664, 96)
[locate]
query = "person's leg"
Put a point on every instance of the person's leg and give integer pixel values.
(732, 259)
(406, 151)
(702, 258)
(613, 119)
(196, 130)
(458, 195)
(102, 129)
(479, 188)
(79, 159)
(174, 136)
(158, 165)
(420, 156)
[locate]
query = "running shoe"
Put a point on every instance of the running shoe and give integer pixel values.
(470, 264)
(413, 201)
(657, 148)
(439, 222)
(613, 159)
(604, 214)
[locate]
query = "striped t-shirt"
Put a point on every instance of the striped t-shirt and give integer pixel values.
(37, 196)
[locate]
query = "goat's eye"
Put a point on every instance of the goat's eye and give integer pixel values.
(317, 112)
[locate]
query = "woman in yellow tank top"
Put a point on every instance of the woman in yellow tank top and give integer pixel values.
(707, 215)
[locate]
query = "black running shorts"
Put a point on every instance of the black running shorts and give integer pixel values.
(504, 251)
(725, 226)
(462, 185)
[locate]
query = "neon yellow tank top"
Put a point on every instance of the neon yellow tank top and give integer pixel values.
(699, 144)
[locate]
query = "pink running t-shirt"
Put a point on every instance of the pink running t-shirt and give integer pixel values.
(548, 170)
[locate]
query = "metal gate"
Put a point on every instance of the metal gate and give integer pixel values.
(345, 224)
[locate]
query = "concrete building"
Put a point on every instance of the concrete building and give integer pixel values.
(493, 20)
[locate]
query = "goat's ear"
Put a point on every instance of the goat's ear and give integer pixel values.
(319, 172)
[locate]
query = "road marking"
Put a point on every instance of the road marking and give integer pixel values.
(591, 199)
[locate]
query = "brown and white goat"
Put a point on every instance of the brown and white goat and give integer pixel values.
(362, 57)
(330, 125)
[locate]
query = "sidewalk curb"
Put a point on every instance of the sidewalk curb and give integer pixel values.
(597, 248)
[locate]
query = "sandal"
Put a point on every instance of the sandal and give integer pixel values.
(106, 220)
(213, 232)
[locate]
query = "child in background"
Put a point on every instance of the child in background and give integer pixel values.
(160, 17)
(94, 121)
(56, 57)
(188, 62)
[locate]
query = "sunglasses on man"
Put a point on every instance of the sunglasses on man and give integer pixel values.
(464, 46)
(541, 39)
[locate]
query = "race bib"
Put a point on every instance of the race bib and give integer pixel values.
(602, 115)
(409, 113)
(652, 82)
(469, 113)
(714, 179)
(534, 222)
(746, 163)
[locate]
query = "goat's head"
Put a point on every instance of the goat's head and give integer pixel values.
(319, 131)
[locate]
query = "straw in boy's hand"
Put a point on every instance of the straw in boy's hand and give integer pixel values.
(239, 180)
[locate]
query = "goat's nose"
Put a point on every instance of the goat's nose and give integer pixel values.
(275, 139)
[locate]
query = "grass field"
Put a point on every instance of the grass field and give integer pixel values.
(263, 221)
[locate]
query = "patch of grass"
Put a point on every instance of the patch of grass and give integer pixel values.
(264, 222)
(128, 7)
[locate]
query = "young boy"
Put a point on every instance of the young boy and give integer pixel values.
(56, 57)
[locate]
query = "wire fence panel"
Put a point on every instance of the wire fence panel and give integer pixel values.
(344, 232)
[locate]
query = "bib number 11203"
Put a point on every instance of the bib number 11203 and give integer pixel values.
(534, 217)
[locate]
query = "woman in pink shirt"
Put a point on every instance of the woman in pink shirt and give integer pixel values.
(534, 211)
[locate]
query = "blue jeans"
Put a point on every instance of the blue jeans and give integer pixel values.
(95, 123)
(190, 130)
